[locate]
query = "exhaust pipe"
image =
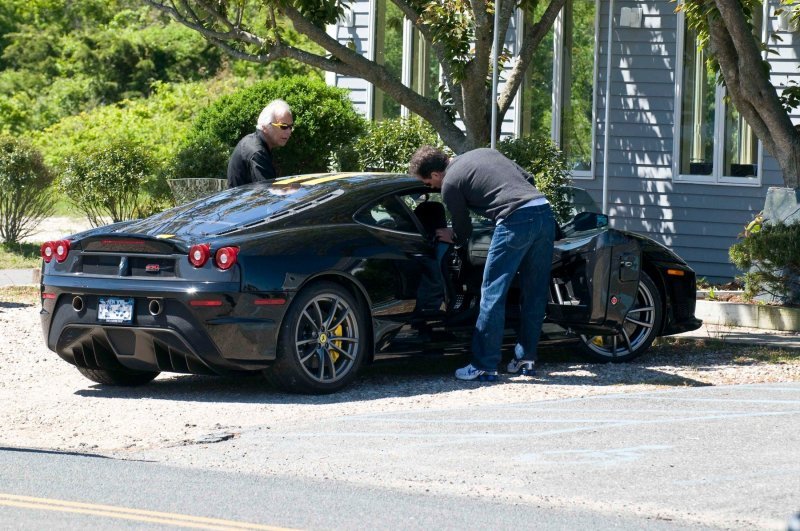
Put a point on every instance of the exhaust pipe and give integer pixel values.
(154, 307)
(77, 304)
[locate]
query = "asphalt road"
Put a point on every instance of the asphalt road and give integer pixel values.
(91, 492)
(685, 458)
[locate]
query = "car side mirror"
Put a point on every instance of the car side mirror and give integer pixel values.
(589, 220)
(584, 221)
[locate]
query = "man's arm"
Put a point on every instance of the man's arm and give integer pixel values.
(261, 167)
(459, 214)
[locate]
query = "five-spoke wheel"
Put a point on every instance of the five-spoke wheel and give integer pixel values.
(322, 340)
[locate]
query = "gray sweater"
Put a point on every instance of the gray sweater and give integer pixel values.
(485, 181)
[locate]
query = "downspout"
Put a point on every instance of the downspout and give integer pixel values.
(607, 113)
(495, 75)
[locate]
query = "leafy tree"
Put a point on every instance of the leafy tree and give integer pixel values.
(60, 57)
(726, 29)
(461, 34)
(25, 197)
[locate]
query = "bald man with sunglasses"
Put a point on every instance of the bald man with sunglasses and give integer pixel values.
(251, 160)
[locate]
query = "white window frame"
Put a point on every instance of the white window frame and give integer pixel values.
(716, 177)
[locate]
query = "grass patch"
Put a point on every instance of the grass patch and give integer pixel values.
(772, 356)
(20, 294)
(20, 255)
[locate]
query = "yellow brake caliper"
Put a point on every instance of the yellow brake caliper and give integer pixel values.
(338, 344)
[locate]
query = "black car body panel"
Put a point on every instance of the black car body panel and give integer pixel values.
(353, 230)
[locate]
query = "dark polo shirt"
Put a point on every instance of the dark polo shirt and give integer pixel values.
(251, 161)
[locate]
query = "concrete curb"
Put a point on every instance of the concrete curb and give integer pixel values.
(749, 315)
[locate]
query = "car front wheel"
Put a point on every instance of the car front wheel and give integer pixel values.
(322, 342)
(642, 325)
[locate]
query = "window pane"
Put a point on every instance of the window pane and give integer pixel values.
(578, 83)
(388, 52)
(425, 71)
(741, 145)
(697, 110)
(537, 115)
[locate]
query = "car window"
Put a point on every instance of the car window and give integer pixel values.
(388, 213)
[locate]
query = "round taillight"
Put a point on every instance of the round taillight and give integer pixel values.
(199, 254)
(47, 251)
(61, 248)
(226, 257)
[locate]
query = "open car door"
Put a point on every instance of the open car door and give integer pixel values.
(595, 276)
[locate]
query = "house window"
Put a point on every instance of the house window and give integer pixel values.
(713, 142)
(389, 53)
(558, 99)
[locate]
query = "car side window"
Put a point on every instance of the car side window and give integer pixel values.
(388, 213)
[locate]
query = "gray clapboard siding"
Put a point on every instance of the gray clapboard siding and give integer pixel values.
(699, 221)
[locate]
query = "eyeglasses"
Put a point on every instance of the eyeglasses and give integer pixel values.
(283, 126)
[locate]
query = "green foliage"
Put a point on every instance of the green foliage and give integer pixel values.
(769, 255)
(325, 123)
(109, 181)
(25, 197)
(389, 145)
(159, 122)
(60, 57)
(541, 158)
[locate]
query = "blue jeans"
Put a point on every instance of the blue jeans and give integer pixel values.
(522, 242)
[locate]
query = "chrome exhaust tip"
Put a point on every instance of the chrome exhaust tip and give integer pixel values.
(154, 307)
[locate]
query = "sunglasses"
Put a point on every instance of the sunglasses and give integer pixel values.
(283, 126)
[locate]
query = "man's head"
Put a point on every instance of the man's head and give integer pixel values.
(428, 165)
(276, 123)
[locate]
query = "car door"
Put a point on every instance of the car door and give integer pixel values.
(594, 279)
(392, 271)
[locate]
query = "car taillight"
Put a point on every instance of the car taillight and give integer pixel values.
(56, 249)
(199, 254)
(47, 251)
(226, 257)
(62, 250)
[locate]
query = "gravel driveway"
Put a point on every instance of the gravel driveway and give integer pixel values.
(46, 403)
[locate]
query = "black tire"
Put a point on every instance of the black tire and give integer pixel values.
(120, 377)
(642, 326)
(322, 342)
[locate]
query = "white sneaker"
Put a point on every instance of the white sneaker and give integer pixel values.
(526, 366)
(471, 373)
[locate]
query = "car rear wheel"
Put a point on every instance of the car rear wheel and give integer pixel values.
(120, 377)
(642, 325)
(322, 342)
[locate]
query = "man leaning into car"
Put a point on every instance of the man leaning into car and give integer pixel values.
(486, 181)
(251, 160)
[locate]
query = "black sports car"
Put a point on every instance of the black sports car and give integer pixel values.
(311, 277)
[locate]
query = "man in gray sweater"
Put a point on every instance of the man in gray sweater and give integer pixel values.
(485, 181)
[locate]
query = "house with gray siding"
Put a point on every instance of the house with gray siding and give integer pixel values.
(623, 88)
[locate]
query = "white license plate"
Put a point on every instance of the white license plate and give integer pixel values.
(115, 310)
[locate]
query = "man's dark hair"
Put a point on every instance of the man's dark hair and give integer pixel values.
(427, 159)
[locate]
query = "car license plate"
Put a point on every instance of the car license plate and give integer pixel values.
(115, 310)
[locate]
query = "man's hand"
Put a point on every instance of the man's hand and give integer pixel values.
(445, 235)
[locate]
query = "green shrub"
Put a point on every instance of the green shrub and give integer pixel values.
(769, 255)
(110, 181)
(541, 158)
(325, 123)
(202, 155)
(25, 197)
(389, 145)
